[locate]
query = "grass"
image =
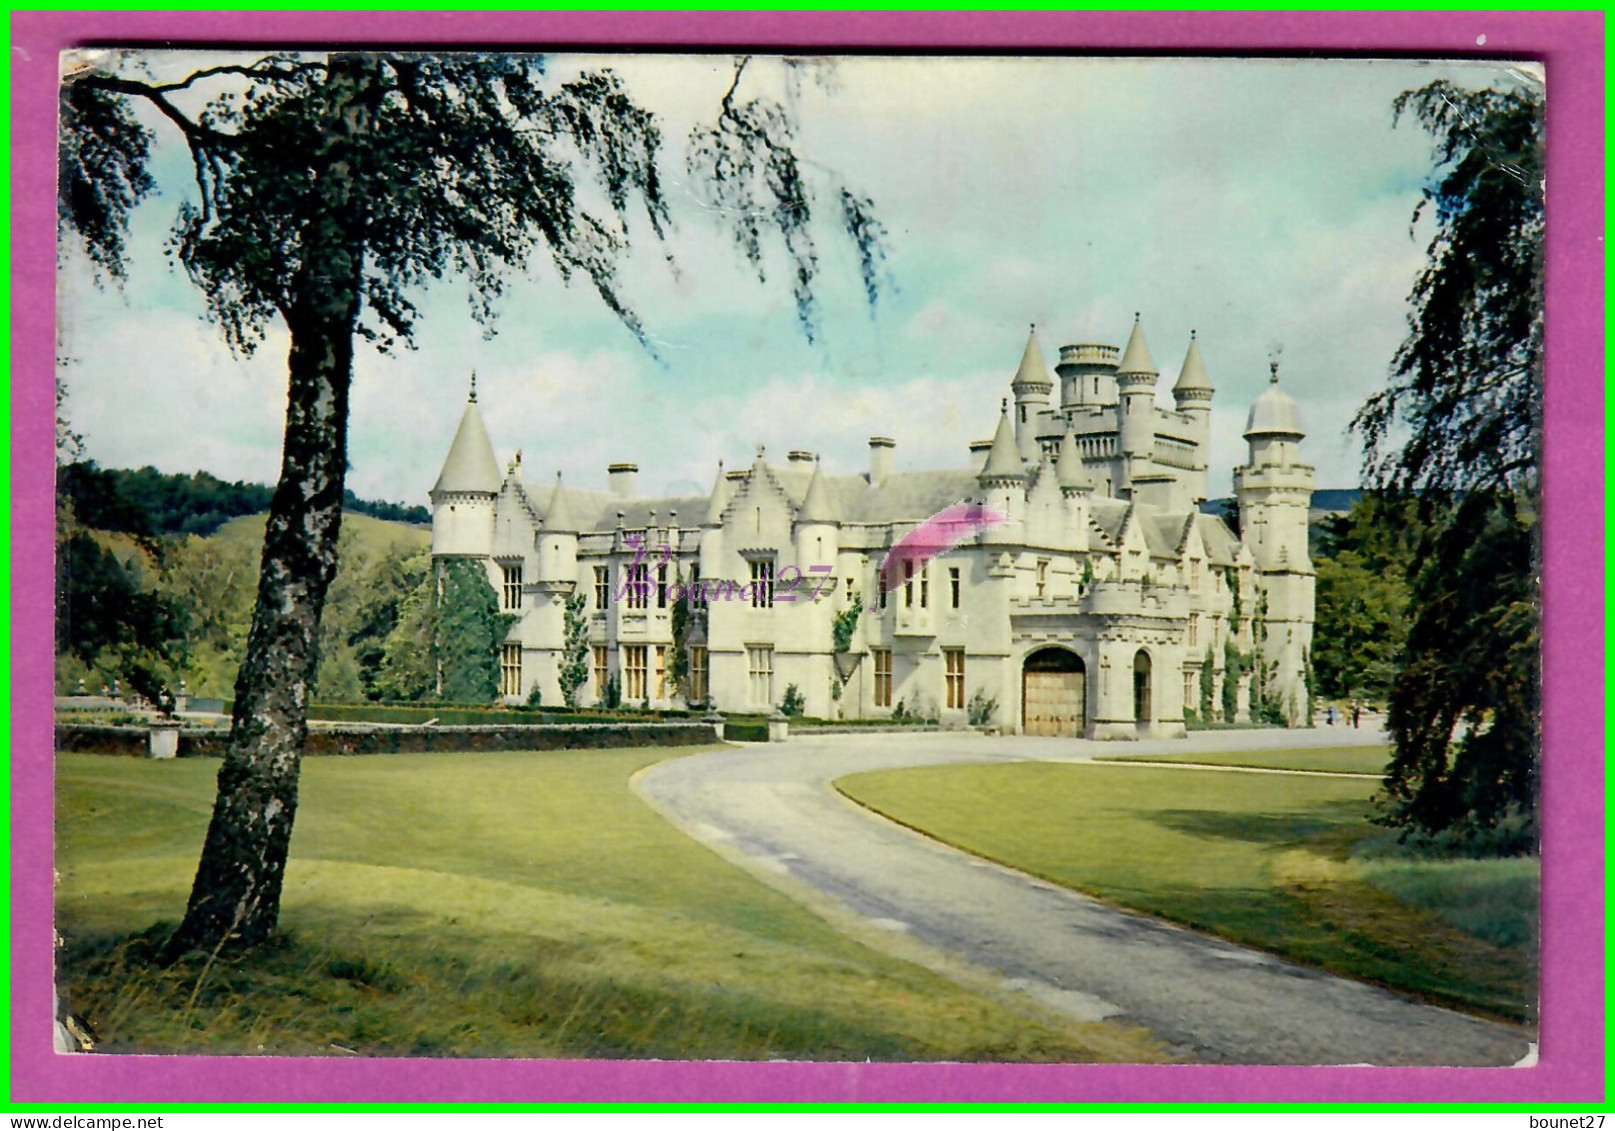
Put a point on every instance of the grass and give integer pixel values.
(491, 905)
(1326, 760)
(1284, 863)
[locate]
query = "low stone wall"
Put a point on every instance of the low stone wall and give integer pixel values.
(199, 742)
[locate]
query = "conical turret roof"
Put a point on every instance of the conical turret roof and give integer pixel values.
(1032, 374)
(470, 466)
(719, 498)
(817, 505)
(1072, 476)
(557, 517)
(1136, 357)
(1004, 461)
(1193, 376)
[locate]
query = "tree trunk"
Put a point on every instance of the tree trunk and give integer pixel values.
(236, 893)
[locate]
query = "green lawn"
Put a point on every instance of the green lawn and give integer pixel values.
(491, 905)
(1285, 863)
(1328, 760)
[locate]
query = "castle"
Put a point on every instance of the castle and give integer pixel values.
(1095, 610)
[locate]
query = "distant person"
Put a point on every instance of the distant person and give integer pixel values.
(1331, 715)
(1356, 713)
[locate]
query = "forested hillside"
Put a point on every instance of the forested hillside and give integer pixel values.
(143, 598)
(199, 503)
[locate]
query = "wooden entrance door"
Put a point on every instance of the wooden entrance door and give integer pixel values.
(1054, 694)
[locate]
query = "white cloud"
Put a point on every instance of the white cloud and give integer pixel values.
(1253, 201)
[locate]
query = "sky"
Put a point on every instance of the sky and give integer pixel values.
(1265, 204)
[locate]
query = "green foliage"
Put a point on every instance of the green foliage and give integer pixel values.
(1363, 561)
(445, 643)
(470, 628)
(846, 623)
(148, 502)
(683, 625)
(1465, 391)
(1208, 682)
(981, 709)
(535, 697)
(1464, 708)
(794, 702)
(1233, 670)
(1309, 683)
(611, 697)
(746, 166)
(574, 671)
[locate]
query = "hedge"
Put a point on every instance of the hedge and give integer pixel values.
(210, 742)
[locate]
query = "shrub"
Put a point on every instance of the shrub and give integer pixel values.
(982, 709)
(794, 702)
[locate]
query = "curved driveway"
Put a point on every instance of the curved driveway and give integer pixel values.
(772, 810)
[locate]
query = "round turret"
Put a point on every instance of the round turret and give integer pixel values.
(1275, 413)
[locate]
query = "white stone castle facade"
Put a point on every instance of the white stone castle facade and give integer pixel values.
(1092, 611)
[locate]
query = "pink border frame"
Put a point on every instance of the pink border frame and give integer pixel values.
(1572, 1057)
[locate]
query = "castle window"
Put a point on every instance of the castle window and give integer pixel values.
(883, 677)
(955, 677)
(849, 590)
(661, 672)
(633, 672)
(1194, 629)
(602, 670)
(511, 593)
(1194, 572)
(1188, 690)
(602, 586)
(637, 586)
(925, 588)
(908, 585)
(1042, 575)
(698, 674)
(693, 593)
(762, 583)
(510, 670)
(760, 674)
(661, 587)
(953, 587)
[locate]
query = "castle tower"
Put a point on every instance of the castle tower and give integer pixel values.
(1087, 376)
(463, 497)
(1193, 393)
(1004, 476)
(817, 524)
(1274, 490)
(1031, 386)
(557, 539)
(1135, 380)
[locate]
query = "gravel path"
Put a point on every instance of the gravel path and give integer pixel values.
(772, 810)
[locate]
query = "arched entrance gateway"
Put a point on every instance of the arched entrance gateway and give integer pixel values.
(1054, 693)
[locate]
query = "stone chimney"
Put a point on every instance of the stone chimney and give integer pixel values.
(622, 478)
(880, 459)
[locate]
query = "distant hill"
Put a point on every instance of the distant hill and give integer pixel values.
(148, 502)
(374, 536)
(1323, 499)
